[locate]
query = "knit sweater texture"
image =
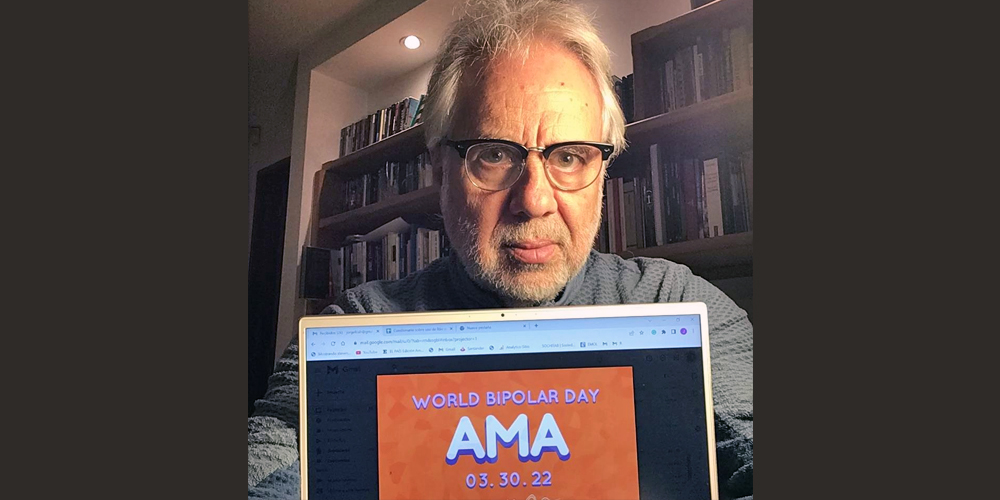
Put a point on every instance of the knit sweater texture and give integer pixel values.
(272, 451)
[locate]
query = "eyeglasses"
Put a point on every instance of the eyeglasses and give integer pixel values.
(496, 164)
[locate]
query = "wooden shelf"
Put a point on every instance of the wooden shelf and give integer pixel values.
(723, 256)
(655, 45)
(726, 114)
(335, 228)
(682, 29)
(398, 147)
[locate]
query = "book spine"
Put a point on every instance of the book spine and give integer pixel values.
(348, 261)
(620, 213)
(680, 74)
(336, 271)
(421, 248)
(741, 63)
(713, 201)
(403, 253)
(689, 75)
(699, 70)
(674, 204)
(647, 213)
(631, 231)
(691, 200)
(671, 92)
(363, 261)
(726, 194)
(727, 61)
(664, 99)
(711, 67)
(658, 192)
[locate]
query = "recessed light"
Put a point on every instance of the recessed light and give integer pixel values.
(411, 42)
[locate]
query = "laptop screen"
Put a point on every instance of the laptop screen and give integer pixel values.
(582, 408)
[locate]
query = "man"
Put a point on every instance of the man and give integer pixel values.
(521, 121)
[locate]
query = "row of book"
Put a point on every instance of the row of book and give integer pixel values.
(683, 198)
(393, 179)
(391, 252)
(380, 125)
(718, 63)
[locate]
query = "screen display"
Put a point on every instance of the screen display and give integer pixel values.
(610, 408)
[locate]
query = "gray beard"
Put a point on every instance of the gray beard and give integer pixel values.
(497, 277)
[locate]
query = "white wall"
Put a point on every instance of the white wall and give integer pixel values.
(271, 106)
(411, 84)
(618, 19)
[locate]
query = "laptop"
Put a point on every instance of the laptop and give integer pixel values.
(577, 402)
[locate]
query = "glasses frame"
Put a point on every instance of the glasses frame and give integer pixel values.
(462, 147)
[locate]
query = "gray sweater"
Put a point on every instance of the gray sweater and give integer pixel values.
(272, 452)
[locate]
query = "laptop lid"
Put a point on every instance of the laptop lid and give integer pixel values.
(581, 402)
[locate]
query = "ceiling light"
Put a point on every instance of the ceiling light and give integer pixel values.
(411, 42)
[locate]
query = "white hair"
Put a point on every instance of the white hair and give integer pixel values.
(490, 28)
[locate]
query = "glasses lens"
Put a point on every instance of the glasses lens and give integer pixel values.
(574, 166)
(493, 165)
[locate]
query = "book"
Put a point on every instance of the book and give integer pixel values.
(692, 200)
(658, 192)
(670, 89)
(726, 64)
(434, 244)
(675, 203)
(727, 195)
(629, 195)
(418, 114)
(712, 86)
(337, 271)
(699, 70)
(713, 197)
(682, 78)
(645, 216)
(616, 215)
(740, 57)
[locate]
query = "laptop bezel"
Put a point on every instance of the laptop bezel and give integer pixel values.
(514, 314)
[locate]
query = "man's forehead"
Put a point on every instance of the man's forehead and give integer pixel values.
(497, 100)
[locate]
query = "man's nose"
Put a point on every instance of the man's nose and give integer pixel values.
(533, 195)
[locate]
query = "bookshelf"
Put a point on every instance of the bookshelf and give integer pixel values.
(725, 118)
(332, 225)
(719, 123)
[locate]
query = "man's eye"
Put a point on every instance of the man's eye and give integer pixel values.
(494, 155)
(566, 160)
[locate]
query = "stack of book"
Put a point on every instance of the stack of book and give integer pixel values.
(393, 179)
(683, 198)
(390, 252)
(716, 64)
(380, 125)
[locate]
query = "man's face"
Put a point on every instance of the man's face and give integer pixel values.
(528, 241)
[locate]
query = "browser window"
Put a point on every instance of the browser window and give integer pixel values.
(571, 408)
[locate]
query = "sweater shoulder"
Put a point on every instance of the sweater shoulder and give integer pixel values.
(384, 296)
(636, 279)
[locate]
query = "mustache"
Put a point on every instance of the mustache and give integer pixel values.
(506, 234)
